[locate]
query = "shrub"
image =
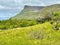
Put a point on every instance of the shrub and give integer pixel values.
(9, 24)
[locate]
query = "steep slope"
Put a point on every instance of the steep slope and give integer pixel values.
(33, 12)
(35, 35)
(29, 12)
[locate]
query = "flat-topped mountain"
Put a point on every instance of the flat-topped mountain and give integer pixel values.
(28, 12)
(33, 12)
(33, 8)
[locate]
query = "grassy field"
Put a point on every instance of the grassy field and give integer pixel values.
(40, 34)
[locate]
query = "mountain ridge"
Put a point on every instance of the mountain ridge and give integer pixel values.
(33, 12)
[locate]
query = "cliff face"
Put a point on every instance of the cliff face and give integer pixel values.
(33, 8)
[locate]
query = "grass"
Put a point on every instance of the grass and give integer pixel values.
(41, 34)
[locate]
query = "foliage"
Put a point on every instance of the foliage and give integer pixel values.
(41, 34)
(9, 24)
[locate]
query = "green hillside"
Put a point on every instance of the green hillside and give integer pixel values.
(34, 12)
(33, 26)
(41, 34)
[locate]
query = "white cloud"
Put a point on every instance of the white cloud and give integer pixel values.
(41, 2)
(1, 7)
(11, 4)
(17, 4)
(4, 7)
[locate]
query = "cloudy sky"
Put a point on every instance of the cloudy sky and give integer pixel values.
(17, 4)
(12, 7)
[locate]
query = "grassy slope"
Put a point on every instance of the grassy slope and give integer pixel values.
(26, 35)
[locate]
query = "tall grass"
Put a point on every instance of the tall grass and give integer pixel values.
(41, 34)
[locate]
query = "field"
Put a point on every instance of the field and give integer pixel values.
(40, 34)
(32, 26)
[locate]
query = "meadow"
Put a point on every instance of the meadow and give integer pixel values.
(41, 34)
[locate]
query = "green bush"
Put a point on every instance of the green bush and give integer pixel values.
(9, 24)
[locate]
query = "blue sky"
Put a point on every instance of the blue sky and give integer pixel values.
(9, 8)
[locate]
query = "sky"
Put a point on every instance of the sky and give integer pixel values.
(9, 8)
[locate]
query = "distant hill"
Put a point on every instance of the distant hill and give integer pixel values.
(28, 12)
(33, 12)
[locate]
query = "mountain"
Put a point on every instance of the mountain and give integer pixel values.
(33, 12)
(28, 12)
(47, 33)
